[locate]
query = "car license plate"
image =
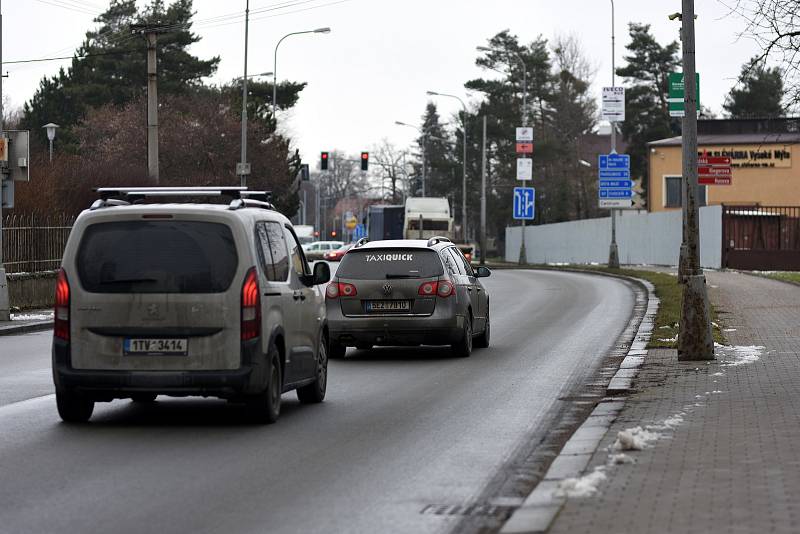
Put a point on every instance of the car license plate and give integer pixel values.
(155, 347)
(388, 305)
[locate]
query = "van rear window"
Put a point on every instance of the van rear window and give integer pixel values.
(157, 257)
(390, 263)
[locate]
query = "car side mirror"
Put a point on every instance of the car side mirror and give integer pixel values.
(482, 272)
(322, 273)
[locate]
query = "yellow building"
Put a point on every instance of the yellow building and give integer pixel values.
(761, 152)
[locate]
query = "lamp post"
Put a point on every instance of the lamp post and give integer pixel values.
(522, 253)
(424, 134)
(243, 169)
(464, 180)
(51, 134)
(613, 249)
(275, 67)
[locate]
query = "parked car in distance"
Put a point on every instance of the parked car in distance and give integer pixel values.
(336, 255)
(186, 299)
(315, 251)
(407, 292)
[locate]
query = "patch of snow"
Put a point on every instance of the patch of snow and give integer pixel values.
(717, 374)
(664, 327)
(558, 264)
(593, 263)
(584, 486)
(669, 339)
(734, 355)
(634, 439)
(621, 458)
(729, 330)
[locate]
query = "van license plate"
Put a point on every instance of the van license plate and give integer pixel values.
(155, 347)
(388, 305)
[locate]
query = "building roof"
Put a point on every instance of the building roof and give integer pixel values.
(735, 139)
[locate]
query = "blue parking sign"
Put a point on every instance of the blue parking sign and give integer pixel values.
(524, 203)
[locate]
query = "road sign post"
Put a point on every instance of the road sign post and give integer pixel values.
(676, 94)
(713, 170)
(613, 109)
(524, 145)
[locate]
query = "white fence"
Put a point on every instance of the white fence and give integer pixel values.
(643, 238)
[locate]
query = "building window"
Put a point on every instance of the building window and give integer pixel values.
(672, 192)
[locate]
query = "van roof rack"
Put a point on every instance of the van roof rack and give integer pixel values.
(438, 239)
(123, 196)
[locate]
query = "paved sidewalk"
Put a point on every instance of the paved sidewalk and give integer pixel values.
(724, 437)
(27, 321)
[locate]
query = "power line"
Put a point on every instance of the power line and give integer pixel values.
(116, 52)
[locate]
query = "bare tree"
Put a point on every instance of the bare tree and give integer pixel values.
(775, 26)
(388, 161)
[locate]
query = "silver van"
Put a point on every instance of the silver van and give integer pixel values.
(187, 299)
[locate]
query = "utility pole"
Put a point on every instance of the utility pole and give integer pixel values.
(483, 196)
(5, 308)
(695, 341)
(243, 169)
(613, 249)
(150, 33)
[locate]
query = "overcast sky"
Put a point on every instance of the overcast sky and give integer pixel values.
(381, 56)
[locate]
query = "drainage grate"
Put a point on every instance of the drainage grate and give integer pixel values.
(474, 510)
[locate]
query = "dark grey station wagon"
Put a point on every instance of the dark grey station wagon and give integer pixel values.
(407, 292)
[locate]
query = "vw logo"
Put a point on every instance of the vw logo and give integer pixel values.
(387, 289)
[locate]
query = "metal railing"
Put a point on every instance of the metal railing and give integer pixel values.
(34, 243)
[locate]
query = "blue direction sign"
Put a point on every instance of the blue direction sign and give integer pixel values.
(615, 187)
(524, 203)
(359, 231)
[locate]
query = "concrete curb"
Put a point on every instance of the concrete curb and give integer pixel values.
(28, 326)
(541, 507)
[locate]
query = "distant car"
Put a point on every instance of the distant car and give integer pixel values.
(336, 255)
(315, 251)
(407, 292)
(186, 299)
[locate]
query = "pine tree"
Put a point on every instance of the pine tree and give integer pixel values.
(761, 93)
(647, 111)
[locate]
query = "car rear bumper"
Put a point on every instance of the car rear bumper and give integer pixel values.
(352, 331)
(109, 384)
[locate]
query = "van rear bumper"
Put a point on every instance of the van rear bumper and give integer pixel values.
(108, 385)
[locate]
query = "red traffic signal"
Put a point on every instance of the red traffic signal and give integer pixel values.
(364, 161)
(323, 161)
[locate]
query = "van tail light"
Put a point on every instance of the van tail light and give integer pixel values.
(442, 288)
(251, 306)
(340, 289)
(61, 311)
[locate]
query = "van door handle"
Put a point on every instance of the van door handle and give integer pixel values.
(469, 288)
(298, 295)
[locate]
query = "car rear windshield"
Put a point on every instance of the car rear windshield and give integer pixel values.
(157, 257)
(390, 263)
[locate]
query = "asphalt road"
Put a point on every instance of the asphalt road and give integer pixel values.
(401, 429)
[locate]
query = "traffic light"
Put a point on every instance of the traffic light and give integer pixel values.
(364, 161)
(323, 162)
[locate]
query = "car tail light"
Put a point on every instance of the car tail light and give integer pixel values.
(445, 289)
(251, 306)
(61, 311)
(441, 288)
(340, 289)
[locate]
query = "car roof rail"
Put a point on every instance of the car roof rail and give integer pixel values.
(239, 203)
(124, 196)
(361, 242)
(435, 240)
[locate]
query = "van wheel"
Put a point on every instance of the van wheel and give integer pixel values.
(482, 341)
(144, 398)
(265, 407)
(463, 347)
(336, 351)
(315, 391)
(73, 408)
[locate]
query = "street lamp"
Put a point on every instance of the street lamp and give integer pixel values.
(243, 168)
(275, 67)
(464, 180)
(51, 134)
(424, 135)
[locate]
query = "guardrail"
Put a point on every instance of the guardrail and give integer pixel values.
(34, 243)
